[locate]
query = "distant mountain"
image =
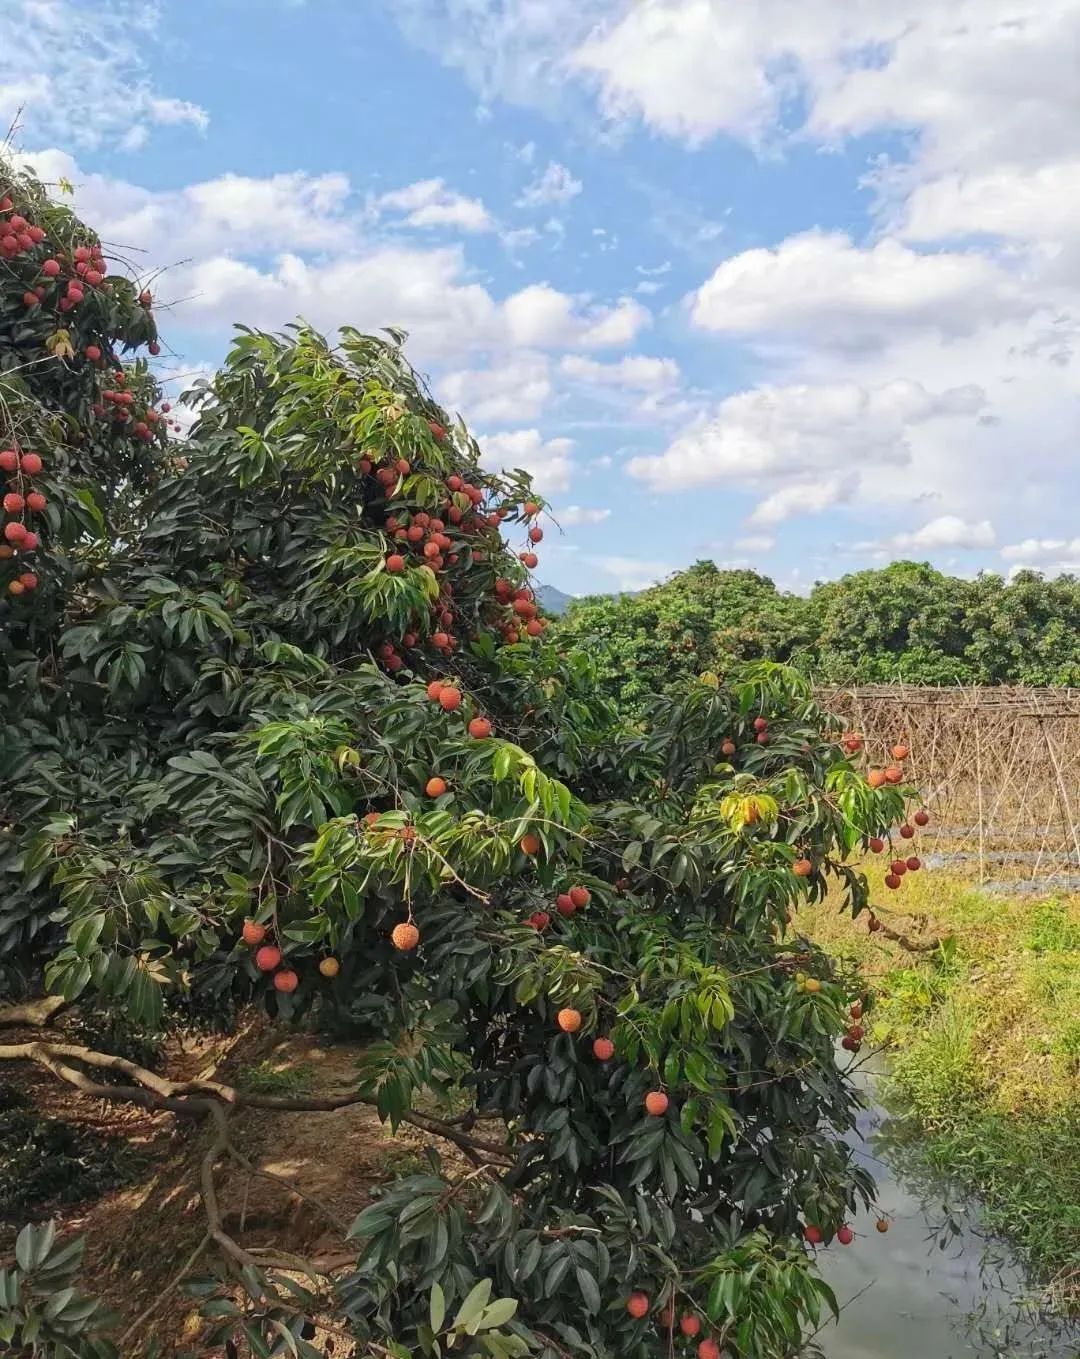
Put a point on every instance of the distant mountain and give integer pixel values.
(552, 600)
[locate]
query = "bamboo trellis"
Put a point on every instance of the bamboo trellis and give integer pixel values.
(999, 768)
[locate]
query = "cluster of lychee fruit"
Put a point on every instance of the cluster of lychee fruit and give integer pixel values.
(638, 1306)
(900, 865)
(268, 958)
(844, 1234)
(892, 773)
(852, 1039)
(761, 736)
(138, 420)
(567, 903)
(437, 541)
(21, 500)
(65, 278)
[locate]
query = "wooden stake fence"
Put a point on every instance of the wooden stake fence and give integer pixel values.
(999, 768)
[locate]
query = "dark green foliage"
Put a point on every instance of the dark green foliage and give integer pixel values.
(42, 1311)
(904, 622)
(45, 1162)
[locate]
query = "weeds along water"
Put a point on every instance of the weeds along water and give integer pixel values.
(983, 1041)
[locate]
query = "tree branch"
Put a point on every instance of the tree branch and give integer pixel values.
(34, 1014)
(201, 1097)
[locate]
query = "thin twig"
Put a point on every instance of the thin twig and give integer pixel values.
(166, 1292)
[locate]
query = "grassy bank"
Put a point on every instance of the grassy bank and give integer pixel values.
(984, 1041)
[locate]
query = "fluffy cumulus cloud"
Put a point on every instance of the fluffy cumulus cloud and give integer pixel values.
(635, 372)
(268, 249)
(555, 184)
(977, 78)
(82, 76)
(822, 285)
(228, 215)
(546, 460)
(967, 274)
(430, 203)
(572, 516)
(542, 315)
(631, 573)
(767, 434)
(948, 530)
(515, 390)
(1039, 549)
(799, 498)
(684, 67)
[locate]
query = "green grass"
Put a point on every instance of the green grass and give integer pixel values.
(983, 1034)
(267, 1079)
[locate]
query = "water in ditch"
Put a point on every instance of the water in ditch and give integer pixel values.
(932, 1287)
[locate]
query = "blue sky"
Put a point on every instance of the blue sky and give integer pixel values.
(790, 285)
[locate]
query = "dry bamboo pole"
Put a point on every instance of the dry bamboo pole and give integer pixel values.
(1066, 804)
(985, 759)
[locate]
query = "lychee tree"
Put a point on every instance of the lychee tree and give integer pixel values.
(82, 437)
(306, 747)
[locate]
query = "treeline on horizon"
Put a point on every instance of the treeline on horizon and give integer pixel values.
(905, 622)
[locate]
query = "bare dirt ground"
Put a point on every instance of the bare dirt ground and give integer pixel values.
(324, 1167)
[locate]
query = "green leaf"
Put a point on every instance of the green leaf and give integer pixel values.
(498, 1313)
(590, 1293)
(437, 1308)
(475, 1302)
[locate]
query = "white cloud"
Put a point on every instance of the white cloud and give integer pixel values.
(269, 249)
(172, 112)
(546, 460)
(632, 573)
(977, 81)
(555, 184)
(648, 286)
(426, 292)
(615, 326)
(506, 49)
(517, 389)
(1036, 548)
(688, 68)
(982, 81)
(968, 274)
(756, 543)
(574, 515)
(519, 238)
(83, 77)
(541, 315)
(635, 372)
(799, 498)
(1048, 569)
(231, 214)
(820, 284)
(1025, 204)
(756, 437)
(429, 203)
(948, 530)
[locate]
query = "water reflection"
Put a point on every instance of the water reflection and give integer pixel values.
(931, 1287)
